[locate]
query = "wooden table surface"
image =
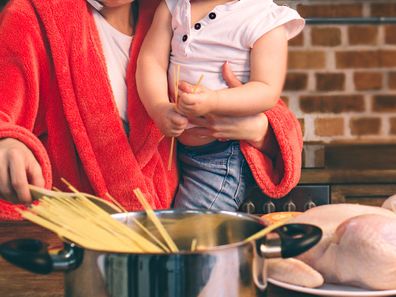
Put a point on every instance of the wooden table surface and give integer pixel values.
(15, 282)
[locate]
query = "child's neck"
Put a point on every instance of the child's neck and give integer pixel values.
(120, 18)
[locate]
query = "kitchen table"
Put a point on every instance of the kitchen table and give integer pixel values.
(15, 282)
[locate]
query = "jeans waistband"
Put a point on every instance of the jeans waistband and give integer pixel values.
(212, 147)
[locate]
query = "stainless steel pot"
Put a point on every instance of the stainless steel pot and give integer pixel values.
(223, 266)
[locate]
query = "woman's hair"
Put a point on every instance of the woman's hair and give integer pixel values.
(2, 4)
(135, 13)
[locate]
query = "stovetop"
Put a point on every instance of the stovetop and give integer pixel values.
(301, 198)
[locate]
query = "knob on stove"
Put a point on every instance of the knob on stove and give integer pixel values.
(290, 206)
(249, 207)
(269, 207)
(309, 205)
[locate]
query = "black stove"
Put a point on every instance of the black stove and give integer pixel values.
(301, 198)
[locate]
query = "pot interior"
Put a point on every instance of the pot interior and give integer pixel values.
(209, 229)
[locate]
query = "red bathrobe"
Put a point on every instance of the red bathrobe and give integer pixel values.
(55, 97)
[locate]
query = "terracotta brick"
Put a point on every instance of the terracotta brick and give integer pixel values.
(384, 103)
(392, 80)
(329, 126)
(326, 36)
(332, 104)
(390, 34)
(365, 126)
(296, 81)
(392, 125)
(330, 10)
(302, 124)
(362, 35)
(306, 60)
(387, 58)
(357, 59)
(383, 9)
(366, 59)
(367, 80)
(330, 81)
(297, 40)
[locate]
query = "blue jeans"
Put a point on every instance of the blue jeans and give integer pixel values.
(213, 176)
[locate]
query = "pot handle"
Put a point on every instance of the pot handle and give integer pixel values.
(33, 255)
(298, 238)
(295, 240)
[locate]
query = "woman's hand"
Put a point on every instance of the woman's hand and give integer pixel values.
(254, 129)
(249, 128)
(18, 168)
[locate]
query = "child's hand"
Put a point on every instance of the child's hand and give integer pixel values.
(169, 121)
(197, 103)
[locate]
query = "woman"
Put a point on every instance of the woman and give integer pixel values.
(59, 116)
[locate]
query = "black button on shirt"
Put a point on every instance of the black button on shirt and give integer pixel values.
(197, 26)
(212, 15)
(185, 37)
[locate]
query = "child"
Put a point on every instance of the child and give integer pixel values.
(200, 36)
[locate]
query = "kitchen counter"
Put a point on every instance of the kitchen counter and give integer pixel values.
(15, 282)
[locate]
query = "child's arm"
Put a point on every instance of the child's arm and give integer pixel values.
(151, 75)
(268, 61)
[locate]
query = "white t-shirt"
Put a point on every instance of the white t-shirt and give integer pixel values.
(227, 33)
(115, 47)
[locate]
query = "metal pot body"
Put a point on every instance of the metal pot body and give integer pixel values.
(222, 266)
(231, 272)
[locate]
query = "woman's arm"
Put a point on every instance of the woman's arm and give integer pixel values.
(253, 129)
(151, 75)
(23, 158)
(268, 60)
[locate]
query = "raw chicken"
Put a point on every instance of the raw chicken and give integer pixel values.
(358, 248)
(295, 272)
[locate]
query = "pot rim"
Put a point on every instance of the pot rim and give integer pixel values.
(184, 252)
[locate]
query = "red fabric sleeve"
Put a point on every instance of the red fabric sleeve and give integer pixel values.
(278, 176)
(20, 55)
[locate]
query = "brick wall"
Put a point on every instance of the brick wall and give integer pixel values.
(341, 82)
